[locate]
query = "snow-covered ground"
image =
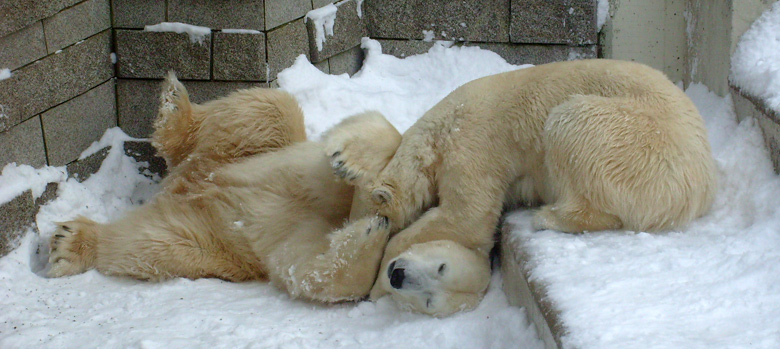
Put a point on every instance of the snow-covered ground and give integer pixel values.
(716, 284)
(91, 310)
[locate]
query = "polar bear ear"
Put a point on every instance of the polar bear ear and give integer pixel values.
(381, 195)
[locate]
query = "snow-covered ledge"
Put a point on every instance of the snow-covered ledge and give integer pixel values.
(754, 79)
(521, 292)
(768, 119)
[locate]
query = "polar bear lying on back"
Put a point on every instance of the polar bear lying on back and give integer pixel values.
(247, 198)
(602, 144)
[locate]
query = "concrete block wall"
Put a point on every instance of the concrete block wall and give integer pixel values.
(60, 97)
(521, 31)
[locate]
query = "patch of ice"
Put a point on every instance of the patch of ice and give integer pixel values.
(323, 18)
(5, 73)
(196, 33)
(113, 57)
(755, 64)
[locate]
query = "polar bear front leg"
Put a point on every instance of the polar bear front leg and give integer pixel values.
(347, 269)
(361, 146)
(73, 247)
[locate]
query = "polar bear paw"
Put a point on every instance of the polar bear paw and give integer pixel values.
(361, 146)
(72, 248)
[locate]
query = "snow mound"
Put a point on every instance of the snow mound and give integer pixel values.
(755, 64)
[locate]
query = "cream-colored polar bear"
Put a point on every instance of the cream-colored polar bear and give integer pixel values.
(603, 144)
(246, 199)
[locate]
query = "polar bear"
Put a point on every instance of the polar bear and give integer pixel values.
(602, 144)
(247, 198)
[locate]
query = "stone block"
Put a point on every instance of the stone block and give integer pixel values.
(138, 100)
(539, 54)
(239, 57)
(23, 144)
(17, 14)
(137, 103)
(145, 152)
(348, 29)
(142, 54)
(84, 168)
(18, 215)
(71, 127)
(57, 78)
(278, 12)
(323, 66)
(22, 47)
(348, 62)
(137, 13)
(76, 23)
(405, 48)
(320, 3)
(218, 14)
(483, 20)
(285, 44)
(49, 194)
(554, 22)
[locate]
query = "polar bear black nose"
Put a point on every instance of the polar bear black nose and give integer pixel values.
(396, 276)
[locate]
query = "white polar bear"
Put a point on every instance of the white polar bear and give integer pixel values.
(246, 199)
(603, 144)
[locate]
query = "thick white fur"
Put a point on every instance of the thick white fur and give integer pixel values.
(246, 199)
(603, 144)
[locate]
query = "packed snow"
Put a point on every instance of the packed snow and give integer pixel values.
(196, 33)
(715, 284)
(92, 310)
(755, 64)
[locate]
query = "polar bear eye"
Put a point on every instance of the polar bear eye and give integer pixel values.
(442, 268)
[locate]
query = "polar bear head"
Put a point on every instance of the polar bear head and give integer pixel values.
(437, 278)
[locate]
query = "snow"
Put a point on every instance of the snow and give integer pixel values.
(92, 310)
(714, 284)
(5, 73)
(16, 179)
(428, 35)
(755, 64)
(602, 13)
(401, 89)
(241, 31)
(359, 8)
(323, 18)
(196, 33)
